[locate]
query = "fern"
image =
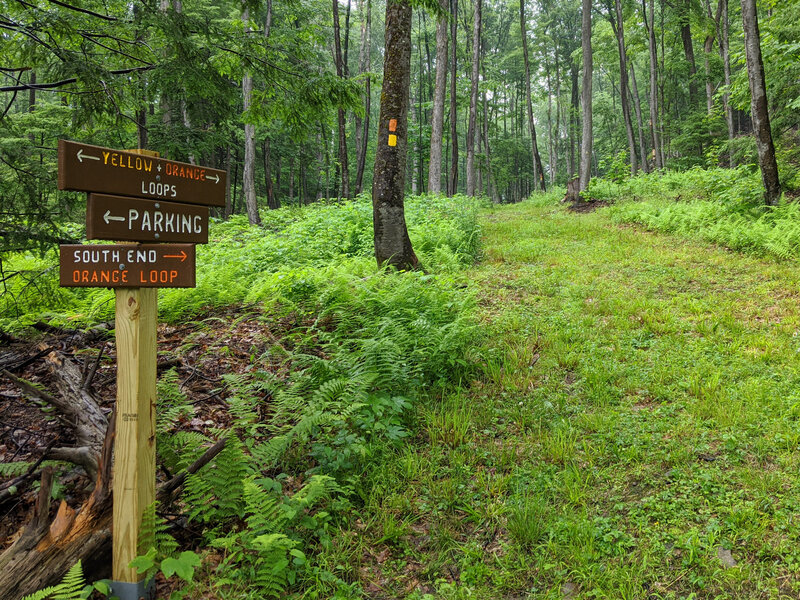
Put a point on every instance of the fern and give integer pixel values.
(14, 469)
(70, 588)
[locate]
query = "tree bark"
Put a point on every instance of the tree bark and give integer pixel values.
(573, 119)
(249, 168)
(392, 244)
(688, 50)
(726, 62)
(437, 116)
(759, 104)
(473, 99)
(586, 95)
(538, 170)
(273, 202)
(637, 107)
(651, 37)
(617, 24)
(344, 189)
(364, 63)
(452, 185)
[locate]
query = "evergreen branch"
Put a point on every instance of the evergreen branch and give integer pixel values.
(83, 10)
(56, 84)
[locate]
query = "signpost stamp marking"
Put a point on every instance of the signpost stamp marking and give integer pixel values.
(128, 266)
(86, 168)
(140, 220)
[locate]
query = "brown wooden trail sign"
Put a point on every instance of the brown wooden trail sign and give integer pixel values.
(120, 218)
(86, 168)
(128, 266)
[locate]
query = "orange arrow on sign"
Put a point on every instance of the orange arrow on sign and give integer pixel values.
(183, 256)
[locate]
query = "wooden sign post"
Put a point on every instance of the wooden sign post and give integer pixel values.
(157, 201)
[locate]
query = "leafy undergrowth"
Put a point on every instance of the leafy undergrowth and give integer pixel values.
(636, 436)
(310, 362)
(723, 206)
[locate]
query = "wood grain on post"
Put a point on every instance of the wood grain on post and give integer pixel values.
(135, 447)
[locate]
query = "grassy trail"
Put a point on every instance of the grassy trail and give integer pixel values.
(637, 438)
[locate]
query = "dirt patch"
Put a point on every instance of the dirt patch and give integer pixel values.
(584, 206)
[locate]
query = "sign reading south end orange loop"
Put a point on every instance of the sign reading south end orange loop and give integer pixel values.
(128, 266)
(87, 168)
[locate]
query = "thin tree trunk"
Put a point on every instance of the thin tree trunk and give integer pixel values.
(618, 26)
(437, 117)
(362, 130)
(637, 107)
(759, 104)
(550, 146)
(538, 171)
(340, 72)
(708, 47)
(452, 185)
(726, 62)
(586, 95)
(473, 99)
(392, 244)
(688, 50)
(273, 201)
(573, 119)
(248, 173)
(651, 32)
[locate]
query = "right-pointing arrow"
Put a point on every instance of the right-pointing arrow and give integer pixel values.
(183, 256)
(215, 178)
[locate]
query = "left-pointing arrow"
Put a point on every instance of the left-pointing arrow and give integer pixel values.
(109, 217)
(81, 156)
(183, 256)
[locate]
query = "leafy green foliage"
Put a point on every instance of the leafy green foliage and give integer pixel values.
(72, 587)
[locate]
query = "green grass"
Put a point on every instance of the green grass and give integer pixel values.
(638, 415)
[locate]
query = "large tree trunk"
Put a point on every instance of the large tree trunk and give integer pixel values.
(344, 189)
(473, 99)
(452, 182)
(726, 62)
(759, 104)
(586, 95)
(362, 130)
(437, 116)
(538, 171)
(654, 131)
(392, 244)
(617, 24)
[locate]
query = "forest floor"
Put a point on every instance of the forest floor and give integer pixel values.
(637, 435)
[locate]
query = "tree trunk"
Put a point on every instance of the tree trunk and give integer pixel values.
(228, 199)
(651, 32)
(550, 147)
(617, 24)
(344, 189)
(248, 171)
(273, 202)
(392, 244)
(759, 104)
(708, 47)
(452, 185)
(437, 116)
(473, 99)
(538, 171)
(364, 59)
(688, 50)
(573, 119)
(586, 95)
(637, 107)
(726, 62)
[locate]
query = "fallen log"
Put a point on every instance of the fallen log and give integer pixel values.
(46, 550)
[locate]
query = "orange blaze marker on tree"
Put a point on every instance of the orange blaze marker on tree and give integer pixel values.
(392, 128)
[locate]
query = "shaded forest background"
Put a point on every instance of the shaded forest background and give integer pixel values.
(285, 95)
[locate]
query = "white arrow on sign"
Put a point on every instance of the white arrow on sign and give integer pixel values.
(109, 217)
(216, 178)
(81, 156)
